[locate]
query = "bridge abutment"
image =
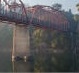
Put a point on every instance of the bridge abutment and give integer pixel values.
(21, 42)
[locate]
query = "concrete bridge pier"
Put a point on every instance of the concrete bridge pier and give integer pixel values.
(21, 42)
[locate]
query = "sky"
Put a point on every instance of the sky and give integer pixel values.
(66, 4)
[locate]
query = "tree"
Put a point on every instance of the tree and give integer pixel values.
(77, 6)
(76, 17)
(57, 6)
(53, 51)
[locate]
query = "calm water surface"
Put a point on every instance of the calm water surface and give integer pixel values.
(6, 65)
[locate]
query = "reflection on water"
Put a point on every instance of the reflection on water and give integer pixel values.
(5, 61)
(21, 66)
(6, 65)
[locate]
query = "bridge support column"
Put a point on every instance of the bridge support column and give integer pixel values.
(21, 42)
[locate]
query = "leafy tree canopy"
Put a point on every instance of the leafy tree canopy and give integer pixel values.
(57, 6)
(77, 6)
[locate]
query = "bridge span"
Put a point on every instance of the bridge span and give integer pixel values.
(40, 16)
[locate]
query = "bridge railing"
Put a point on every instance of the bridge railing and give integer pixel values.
(13, 16)
(22, 19)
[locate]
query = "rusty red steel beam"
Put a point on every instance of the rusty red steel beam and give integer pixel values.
(57, 19)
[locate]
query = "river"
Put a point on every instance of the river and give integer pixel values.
(6, 64)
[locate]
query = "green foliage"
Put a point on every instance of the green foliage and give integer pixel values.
(77, 6)
(76, 17)
(54, 51)
(57, 6)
